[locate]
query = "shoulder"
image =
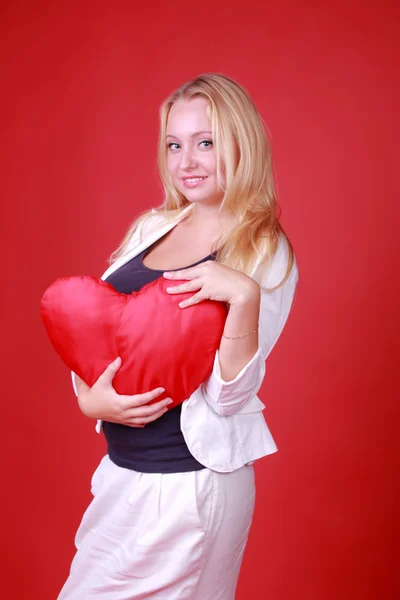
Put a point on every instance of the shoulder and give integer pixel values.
(148, 223)
(151, 221)
(155, 219)
(158, 218)
(272, 273)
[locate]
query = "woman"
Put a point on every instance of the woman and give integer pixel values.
(174, 495)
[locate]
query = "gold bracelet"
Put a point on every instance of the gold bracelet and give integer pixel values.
(238, 337)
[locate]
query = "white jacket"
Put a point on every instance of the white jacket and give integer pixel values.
(222, 422)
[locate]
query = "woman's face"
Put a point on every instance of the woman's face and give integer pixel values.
(191, 159)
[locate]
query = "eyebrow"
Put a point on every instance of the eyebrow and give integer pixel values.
(192, 136)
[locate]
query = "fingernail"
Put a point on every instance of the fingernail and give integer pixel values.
(170, 401)
(161, 390)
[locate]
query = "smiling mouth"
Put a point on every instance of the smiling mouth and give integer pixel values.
(193, 179)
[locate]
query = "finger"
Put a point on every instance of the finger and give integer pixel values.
(140, 399)
(147, 410)
(190, 273)
(190, 286)
(142, 421)
(195, 299)
(108, 375)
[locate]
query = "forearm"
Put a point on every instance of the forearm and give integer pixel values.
(242, 318)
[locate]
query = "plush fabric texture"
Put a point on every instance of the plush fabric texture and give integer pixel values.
(90, 324)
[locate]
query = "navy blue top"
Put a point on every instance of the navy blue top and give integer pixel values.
(159, 447)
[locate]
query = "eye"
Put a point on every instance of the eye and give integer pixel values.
(172, 144)
(209, 142)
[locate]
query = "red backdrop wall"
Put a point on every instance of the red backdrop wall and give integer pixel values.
(82, 87)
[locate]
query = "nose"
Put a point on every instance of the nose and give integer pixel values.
(188, 159)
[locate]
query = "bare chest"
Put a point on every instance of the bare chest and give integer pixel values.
(177, 250)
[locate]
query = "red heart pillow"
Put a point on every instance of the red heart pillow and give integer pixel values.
(89, 324)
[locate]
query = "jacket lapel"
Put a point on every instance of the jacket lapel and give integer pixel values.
(149, 239)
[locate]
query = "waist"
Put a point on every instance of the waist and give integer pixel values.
(159, 447)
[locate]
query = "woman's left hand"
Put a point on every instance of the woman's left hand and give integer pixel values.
(213, 281)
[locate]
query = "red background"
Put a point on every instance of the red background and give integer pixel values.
(82, 87)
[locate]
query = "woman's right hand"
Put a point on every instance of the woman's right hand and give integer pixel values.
(101, 401)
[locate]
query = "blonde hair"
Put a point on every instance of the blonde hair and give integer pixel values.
(244, 171)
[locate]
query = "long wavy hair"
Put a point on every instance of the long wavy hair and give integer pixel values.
(244, 172)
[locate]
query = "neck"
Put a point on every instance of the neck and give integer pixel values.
(208, 216)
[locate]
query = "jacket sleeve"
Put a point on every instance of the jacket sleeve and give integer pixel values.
(229, 397)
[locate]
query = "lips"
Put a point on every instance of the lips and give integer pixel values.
(193, 181)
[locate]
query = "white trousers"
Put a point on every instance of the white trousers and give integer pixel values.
(178, 536)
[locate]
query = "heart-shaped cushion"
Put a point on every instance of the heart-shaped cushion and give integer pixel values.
(89, 324)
